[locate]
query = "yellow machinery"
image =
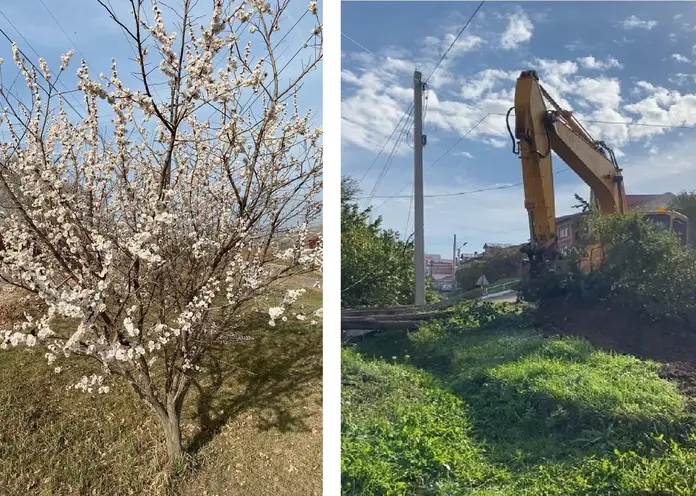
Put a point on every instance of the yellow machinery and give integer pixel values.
(539, 131)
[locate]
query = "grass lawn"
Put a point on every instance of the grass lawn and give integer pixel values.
(486, 405)
(253, 426)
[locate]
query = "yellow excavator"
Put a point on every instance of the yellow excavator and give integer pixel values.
(539, 131)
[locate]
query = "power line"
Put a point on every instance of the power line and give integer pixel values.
(430, 165)
(594, 121)
(356, 43)
(398, 195)
(406, 113)
(390, 158)
(63, 30)
(459, 140)
(458, 193)
(410, 207)
(471, 18)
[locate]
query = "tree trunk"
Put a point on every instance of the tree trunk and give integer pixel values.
(170, 420)
(172, 433)
(168, 414)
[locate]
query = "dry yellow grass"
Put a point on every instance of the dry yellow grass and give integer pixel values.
(252, 426)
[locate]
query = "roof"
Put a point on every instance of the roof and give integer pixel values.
(636, 200)
(497, 245)
(565, 218)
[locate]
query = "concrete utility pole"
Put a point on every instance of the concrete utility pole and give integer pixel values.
(418, 142)
(454, 262)
(454, 253)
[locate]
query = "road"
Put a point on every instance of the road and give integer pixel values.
(509, 296)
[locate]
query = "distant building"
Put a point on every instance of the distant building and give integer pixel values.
(438, 269)
(314, 235)
(567, 225)
(430, 257)
(493, 249)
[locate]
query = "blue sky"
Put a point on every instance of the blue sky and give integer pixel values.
(85, 26)
(609, 62)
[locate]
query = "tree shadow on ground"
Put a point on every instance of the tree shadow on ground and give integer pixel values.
(514, 425)
(277, 374)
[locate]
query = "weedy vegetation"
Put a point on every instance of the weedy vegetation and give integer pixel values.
(484, 403)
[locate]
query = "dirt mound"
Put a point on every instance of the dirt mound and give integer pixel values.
(615, 327)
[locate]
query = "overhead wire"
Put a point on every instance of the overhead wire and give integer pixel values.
(459, 193)
(596, 121)
(356, 43)
(456, 38)
(390, 158)
(379, 153)
(398, 195)
(425, 92)
(406, 113)
(470, 130)
(63, 30)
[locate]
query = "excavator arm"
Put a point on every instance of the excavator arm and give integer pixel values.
(539, 131)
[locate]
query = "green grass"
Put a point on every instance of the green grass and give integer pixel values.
(252, 425)
(517, 412)
(399, 427)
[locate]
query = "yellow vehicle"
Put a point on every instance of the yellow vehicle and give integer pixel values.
(538, 132)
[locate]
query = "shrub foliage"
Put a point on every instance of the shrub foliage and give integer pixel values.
(642, 266)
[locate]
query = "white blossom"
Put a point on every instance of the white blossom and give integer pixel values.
(146, 244)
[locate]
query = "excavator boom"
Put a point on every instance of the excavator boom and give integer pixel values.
(539, 131)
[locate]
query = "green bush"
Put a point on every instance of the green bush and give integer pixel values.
(643, 265)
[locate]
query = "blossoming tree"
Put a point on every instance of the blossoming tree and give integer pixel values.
(149, 244)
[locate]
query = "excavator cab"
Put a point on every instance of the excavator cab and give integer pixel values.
(671, 221)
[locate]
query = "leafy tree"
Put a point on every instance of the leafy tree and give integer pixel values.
(376, 266)
(685, 203)
(150, 245)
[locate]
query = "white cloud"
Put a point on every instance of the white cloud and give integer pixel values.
(463, 154)
(484, 82)
(680, 79)
(380, 91)
(680, 58)
(599, 91)
(496, 142)
(633, 22)
(463, 45)
(369, 109)
(519, 30)
(592, 63)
